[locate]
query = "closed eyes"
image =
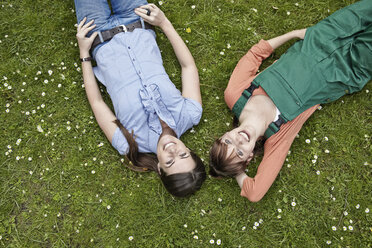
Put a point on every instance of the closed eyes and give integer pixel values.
(170, 162)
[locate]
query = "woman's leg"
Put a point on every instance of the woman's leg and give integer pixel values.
(351, 45)
(360, 54)
(337, 30)
(343, 43)
(97, 10)
(124, 10)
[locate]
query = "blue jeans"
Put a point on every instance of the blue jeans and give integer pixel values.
(99, 11)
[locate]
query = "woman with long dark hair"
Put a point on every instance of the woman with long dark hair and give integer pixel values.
(333, 58)
(150, 112)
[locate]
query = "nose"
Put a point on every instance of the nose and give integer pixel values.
(172, 150)
(238, 138)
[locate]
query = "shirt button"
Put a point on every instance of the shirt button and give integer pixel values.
(145, 86)
(297, 103)
(129, 47)
(134, 60)
(347, 91)
(139, 72)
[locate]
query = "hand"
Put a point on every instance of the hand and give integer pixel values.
(156, 17)
(84, 42)
(301, 33)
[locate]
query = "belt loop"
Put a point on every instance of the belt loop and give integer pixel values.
(142, 23)
(100, 37)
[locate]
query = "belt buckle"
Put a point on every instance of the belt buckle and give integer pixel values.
(124, 28)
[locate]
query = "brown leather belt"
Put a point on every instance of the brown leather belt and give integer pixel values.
(108, 34)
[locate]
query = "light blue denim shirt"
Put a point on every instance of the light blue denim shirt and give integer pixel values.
(131, 68)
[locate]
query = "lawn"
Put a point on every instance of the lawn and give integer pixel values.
(63, 185)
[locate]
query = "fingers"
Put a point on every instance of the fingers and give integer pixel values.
(81, 23)
(84, 28)
(153, 6)
(150, 6)
(93, 36)
(87, 25)
(142, 13)
(82, 33)
(85, 31)
(91, 27)
(141, 10)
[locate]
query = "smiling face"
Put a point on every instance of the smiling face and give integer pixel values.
(174, 157)
(240, 143)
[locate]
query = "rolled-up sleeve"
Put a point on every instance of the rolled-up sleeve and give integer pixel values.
(119, 142)
(245, 71)
(190, 115)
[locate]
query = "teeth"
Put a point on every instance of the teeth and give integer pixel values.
(244, 135)
(168, 145)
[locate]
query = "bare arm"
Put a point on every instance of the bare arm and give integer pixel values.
(190, 76)
(102, 112)
(280, 40)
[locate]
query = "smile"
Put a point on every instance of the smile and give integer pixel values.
(168, 145)
(245, 135)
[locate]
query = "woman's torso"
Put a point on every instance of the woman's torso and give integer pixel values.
(131, 68)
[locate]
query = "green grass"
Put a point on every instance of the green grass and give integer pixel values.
(66, 186)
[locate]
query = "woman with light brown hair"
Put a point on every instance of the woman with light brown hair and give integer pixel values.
(333, 58)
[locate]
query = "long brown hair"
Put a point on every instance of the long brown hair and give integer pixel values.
(178, 184)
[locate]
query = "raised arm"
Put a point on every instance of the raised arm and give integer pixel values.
(276, 150)
(102, 112)
(280, 40)
(190, 76)
(245, 71)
